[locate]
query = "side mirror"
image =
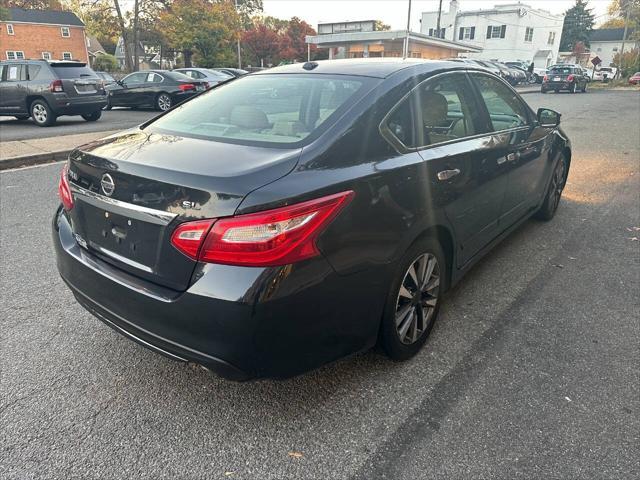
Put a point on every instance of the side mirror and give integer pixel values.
(548, 117)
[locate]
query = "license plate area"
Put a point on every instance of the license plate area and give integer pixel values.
(127, 240)
(556, 79)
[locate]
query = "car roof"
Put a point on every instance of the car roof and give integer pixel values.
(369, 67)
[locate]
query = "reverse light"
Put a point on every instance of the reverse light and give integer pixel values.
(274, 237)
(570, 78)
(64, 189)
(185, 87)
(56, 86)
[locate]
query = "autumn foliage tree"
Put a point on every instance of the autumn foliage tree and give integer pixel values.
(263, 44)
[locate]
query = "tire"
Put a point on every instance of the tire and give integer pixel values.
(42, 114)
(554, 191)
(417, 312)
(573, 88)
(537, 78)
(163, 102)
(557, 91)
(93, 116)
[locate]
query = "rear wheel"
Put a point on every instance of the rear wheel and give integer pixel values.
(414, 300)
(554, 192)
(42, 114)
(163, 102)
(93, 116)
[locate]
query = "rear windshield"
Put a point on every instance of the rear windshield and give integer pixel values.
(68, 71)
(178, 76)
(267, 110)
(561, 70)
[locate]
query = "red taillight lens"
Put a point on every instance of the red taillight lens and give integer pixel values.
(570, 78)
(273, 237)
(64, 190)
(56, 86)
(546, 78)
(185, 87)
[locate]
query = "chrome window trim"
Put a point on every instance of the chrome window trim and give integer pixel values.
(130, 210)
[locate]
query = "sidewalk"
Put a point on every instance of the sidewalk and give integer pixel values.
(21, 153)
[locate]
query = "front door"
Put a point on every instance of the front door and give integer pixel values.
(520, 147)
(128, 93)
(463, 176)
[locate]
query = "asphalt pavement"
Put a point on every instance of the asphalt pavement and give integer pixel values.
(118, 118)
(530, 372)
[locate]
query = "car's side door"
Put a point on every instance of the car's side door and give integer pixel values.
(13, 89)
(128, 95)
(520, 146)
(151, 88)
(462, 177)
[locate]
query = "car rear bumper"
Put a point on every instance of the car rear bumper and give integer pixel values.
(239, 322)
(64, 105)
(558, 85)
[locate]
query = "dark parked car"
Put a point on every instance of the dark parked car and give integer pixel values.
(292, 217)
(46, 90)
(571, 78)
(234, 72)
(159, 89)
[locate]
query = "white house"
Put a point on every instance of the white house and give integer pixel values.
(606, 43)
(505, 32)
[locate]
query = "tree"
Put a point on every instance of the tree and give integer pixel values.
(578, 24)
(293, 43)
(618, 10)
(33, 4)
(263, 44)
(99, 20)
(629, 63)
(202, 28)
(105, 63)
(380, 26)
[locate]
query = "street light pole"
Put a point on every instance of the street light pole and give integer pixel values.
(405, 49)
(439, 17)
(238, 34)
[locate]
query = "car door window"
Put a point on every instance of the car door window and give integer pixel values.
(14, 73)
(154, 78)
(505, 109)
(134, 78)
(442, 108)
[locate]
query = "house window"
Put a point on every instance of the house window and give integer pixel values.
(433, 32)
(66, 56)
(15, 55)
(46, 55)
(496, 31)
(615, 49)
(552, 38)
(65, 32)
(528, 35)
(10, 29)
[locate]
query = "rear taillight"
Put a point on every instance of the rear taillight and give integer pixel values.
(64, 189)
(185, 87)
(56, 86)
(273, 237)
(546, 78)
(570, 78)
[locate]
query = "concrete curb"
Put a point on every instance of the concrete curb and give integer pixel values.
(36, 159)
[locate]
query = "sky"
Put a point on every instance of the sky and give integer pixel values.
(394, 12)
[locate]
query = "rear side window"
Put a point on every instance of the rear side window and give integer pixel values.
(443, 108)
(505, 109)
(263, 109)
(14, 73)
(66, 72)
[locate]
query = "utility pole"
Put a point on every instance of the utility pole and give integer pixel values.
(238, 43)
(439, 16)
(405, 49)
(624, 36)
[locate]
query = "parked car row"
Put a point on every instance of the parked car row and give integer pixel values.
(513, 72)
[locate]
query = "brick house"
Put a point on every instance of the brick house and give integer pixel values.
(48, 34)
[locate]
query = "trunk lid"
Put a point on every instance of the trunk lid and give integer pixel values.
(77, 79)
(132, 189)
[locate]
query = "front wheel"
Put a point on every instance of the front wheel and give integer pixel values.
(163, 102)
(42, 114)
(414, 300)
(552, 198)
(93, 116)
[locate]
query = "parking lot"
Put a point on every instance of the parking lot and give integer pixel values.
(530, 372)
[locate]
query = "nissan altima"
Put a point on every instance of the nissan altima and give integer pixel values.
(304, 213)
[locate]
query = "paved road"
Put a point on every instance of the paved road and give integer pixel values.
(118, 118)
(531, 371)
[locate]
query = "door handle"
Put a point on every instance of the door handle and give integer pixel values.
(513, 156)
(447, 174)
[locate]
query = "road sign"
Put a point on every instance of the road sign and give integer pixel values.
(596, 61)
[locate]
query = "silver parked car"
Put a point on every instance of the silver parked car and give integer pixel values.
(212, 77)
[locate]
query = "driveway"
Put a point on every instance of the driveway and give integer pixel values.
(530, 372)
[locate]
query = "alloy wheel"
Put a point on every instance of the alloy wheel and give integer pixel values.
(557, 183)
(164, 102)
(39, 113)
(417, 298)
